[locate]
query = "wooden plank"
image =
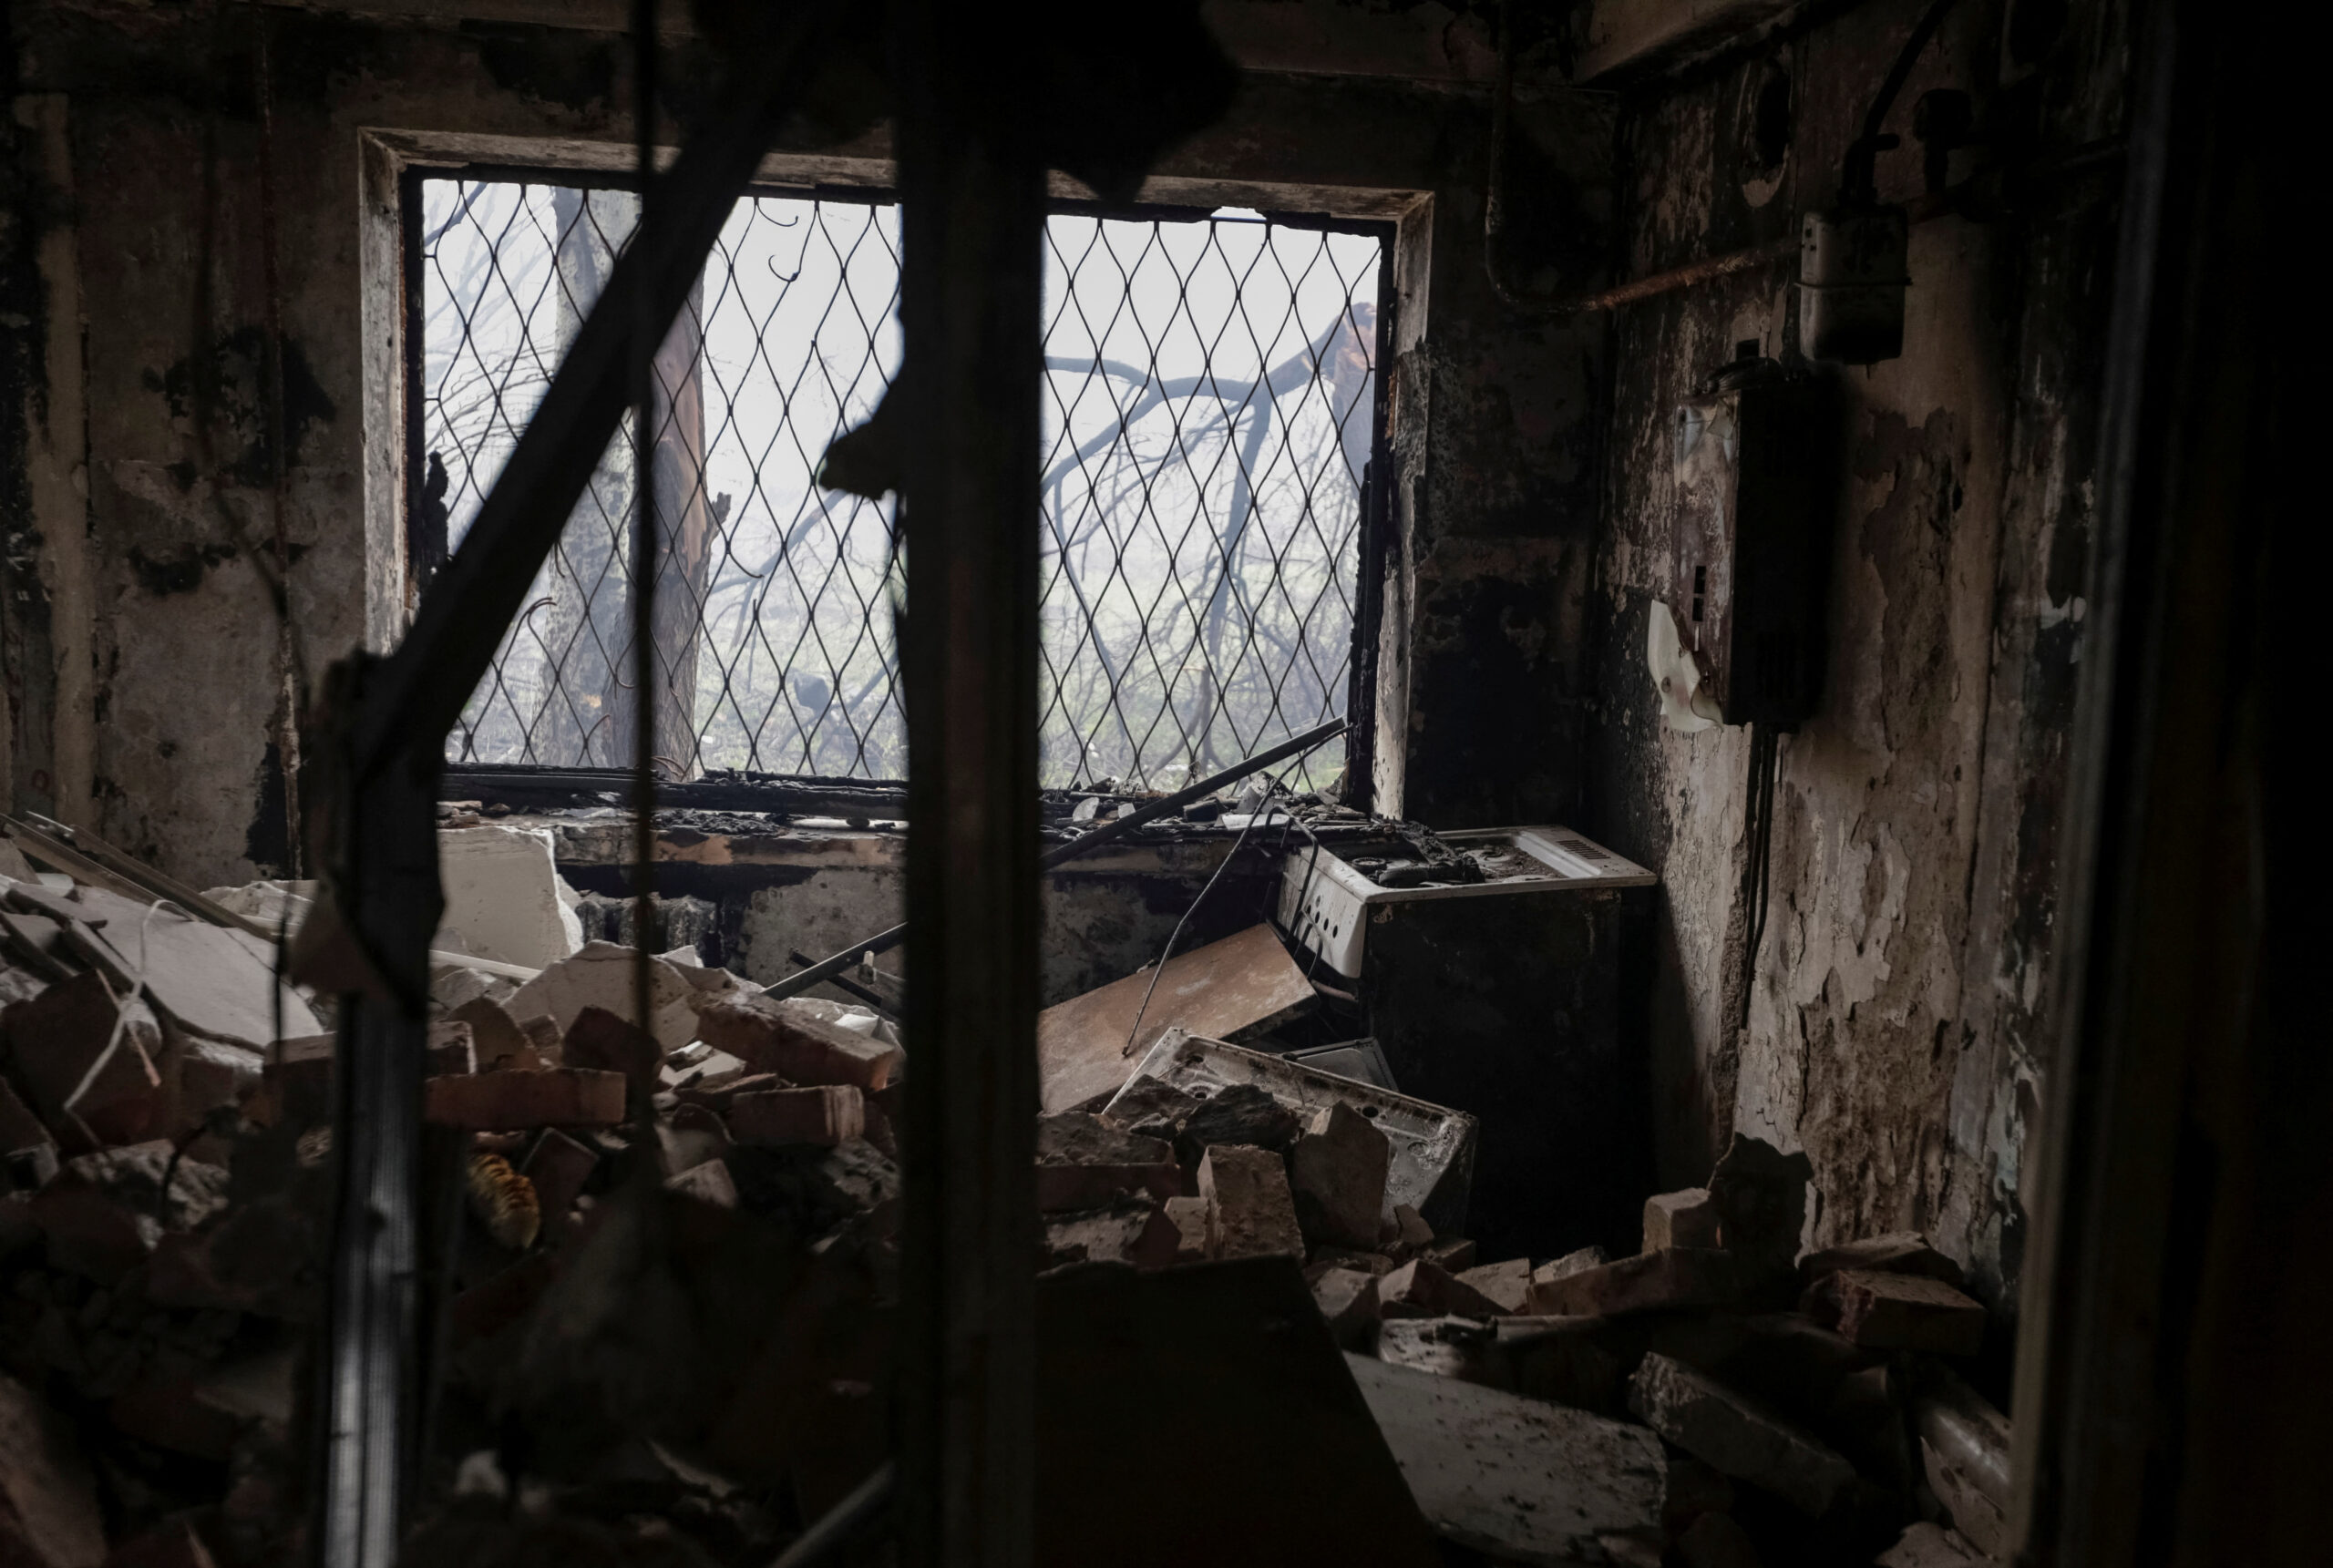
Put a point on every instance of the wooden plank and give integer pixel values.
(1239, 986)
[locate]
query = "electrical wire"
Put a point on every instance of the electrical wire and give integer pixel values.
(1758, 829)
(1271, 788)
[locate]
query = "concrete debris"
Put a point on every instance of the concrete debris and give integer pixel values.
(1347, 1298)
(1760, 1194)
(600, 975)
(1901, 1252)
(708, 1183)
(1129, 1231)
(1518, 1480)
(1084, 1163)
(558, 1167)
(1248, 1210)
(1571, 1263)
(1738, 1437)
(504, 897)
(825, 1115)
(1433, 1162)
(58, 1039)
(1899, 1312)
(1679, 1219)
(1424, 1289)
(605, 1043)
(1506, 1285)
(49, 1516)
(1188, 1216)
(1448, 1346)
(710, 1204)
(1674, 1277)
(1715, 1541)
(1151, 1108)
(495, 1039)
(1337, 1173)
(510, 1100)
(1927, 1545)
(1244, 1116)
(1232, 989)
(800, 1039)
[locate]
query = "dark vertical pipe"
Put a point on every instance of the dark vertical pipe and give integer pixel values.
(972, 191)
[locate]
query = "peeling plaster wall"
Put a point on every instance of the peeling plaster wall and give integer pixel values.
(1898, 1005)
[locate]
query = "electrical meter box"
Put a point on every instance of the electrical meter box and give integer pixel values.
(1751, 540)
(1503, 998)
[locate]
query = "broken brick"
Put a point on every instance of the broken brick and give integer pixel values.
(1130, 1231)
(1506, 1285)
(1243, 1116)
(1151, 1107)
(510, 1099)
(450, 1048)
(1738, 1436)
(1337, 1177)
(1248, 1210)
(559, 1166)
(1086, 1163)
(795, 1038)
(1571, 1263)
(1686, 1218)
(1453, 1256)
(55, 1038)
(1899, 1312)
(48, 1501)
(709, 1183)
(1902, 1252)
(1424, 1289)
(1347, 1298)
(602, 1041)
(495, 1036)
(826, 1114)
(1760, 1198)
(1188, 1216)
(1677, 1277)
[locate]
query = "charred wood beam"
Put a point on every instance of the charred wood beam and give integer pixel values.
(972, 194)
(520, 787)
(389, 719)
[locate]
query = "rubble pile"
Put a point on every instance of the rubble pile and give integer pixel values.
(667, 1263)
(667, 1254)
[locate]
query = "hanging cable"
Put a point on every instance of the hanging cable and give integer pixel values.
(1758, 829)
(1859, 182)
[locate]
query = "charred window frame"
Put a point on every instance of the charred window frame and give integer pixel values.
(1157, 741)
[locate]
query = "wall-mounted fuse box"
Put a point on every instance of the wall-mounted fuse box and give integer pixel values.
(1751, 539)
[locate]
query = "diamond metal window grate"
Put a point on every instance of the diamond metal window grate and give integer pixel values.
(1210, 413)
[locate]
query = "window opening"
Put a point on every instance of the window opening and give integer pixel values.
(1211, 413)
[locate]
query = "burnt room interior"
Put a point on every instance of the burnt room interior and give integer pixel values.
(1600, 863)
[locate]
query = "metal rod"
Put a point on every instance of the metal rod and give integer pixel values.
(1116, 828)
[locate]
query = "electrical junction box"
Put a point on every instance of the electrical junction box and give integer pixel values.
(1749, 548)
(1505, 999)
(1327, 905)
(1852, 274)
